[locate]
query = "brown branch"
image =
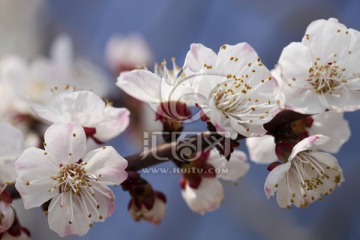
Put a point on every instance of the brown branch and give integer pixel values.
(167, 151)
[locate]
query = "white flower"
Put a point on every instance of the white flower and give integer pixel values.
(74, 182)
(7, 216)
(163, 86)
(43, 77)
(307, 176)
(206, 198)
(332, 124)
(209, 194)
(322, 71)
(154, 215)
(125, 53)
(12, 146)
(233, 88)
(88, 110)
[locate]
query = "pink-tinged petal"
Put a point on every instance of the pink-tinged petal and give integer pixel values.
(295, 62)
(199, 59)
(309, 143)
(206, 198)
(141, 84)
(230, 170)
(35, 168)
(262, 149)
(116, 120)
(65, 142)
(108, 163)
(339, 134)
(233, 59)
(11, 142)
(274, 178)
(67, 215)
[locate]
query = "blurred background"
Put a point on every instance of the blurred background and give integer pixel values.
(166, 28)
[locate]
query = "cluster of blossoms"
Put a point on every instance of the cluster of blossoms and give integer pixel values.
(236, 96)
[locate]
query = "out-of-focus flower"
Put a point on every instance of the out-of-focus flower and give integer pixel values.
(332, 124)
(322, 71)
(100, 120)
(12, 146)
(126, 53)
(233, 88)
(41, 79)
(74, 182)
(146, 203)
(7, 216)
(201, 188)
(308, 175)
(153, 215)
(10, 227)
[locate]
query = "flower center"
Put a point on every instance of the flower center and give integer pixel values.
(225, 99)
(73, 177)
(325, 78)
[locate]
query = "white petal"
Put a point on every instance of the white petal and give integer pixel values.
(141, 84)
(115, 121)
(65, 142)
(274, 178)
(83, 107)
(262, 149)
(312, 142)
(197, 57)
(326, 159)
(247, 130)
(65, 208)
(101, 204)
(326, 37)
(344, 100)
(242, 52)
(302, 100)
(35, 170)
(230, 170)
(107, 162)
(206, 198)
(295, 62)
(340, 131)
